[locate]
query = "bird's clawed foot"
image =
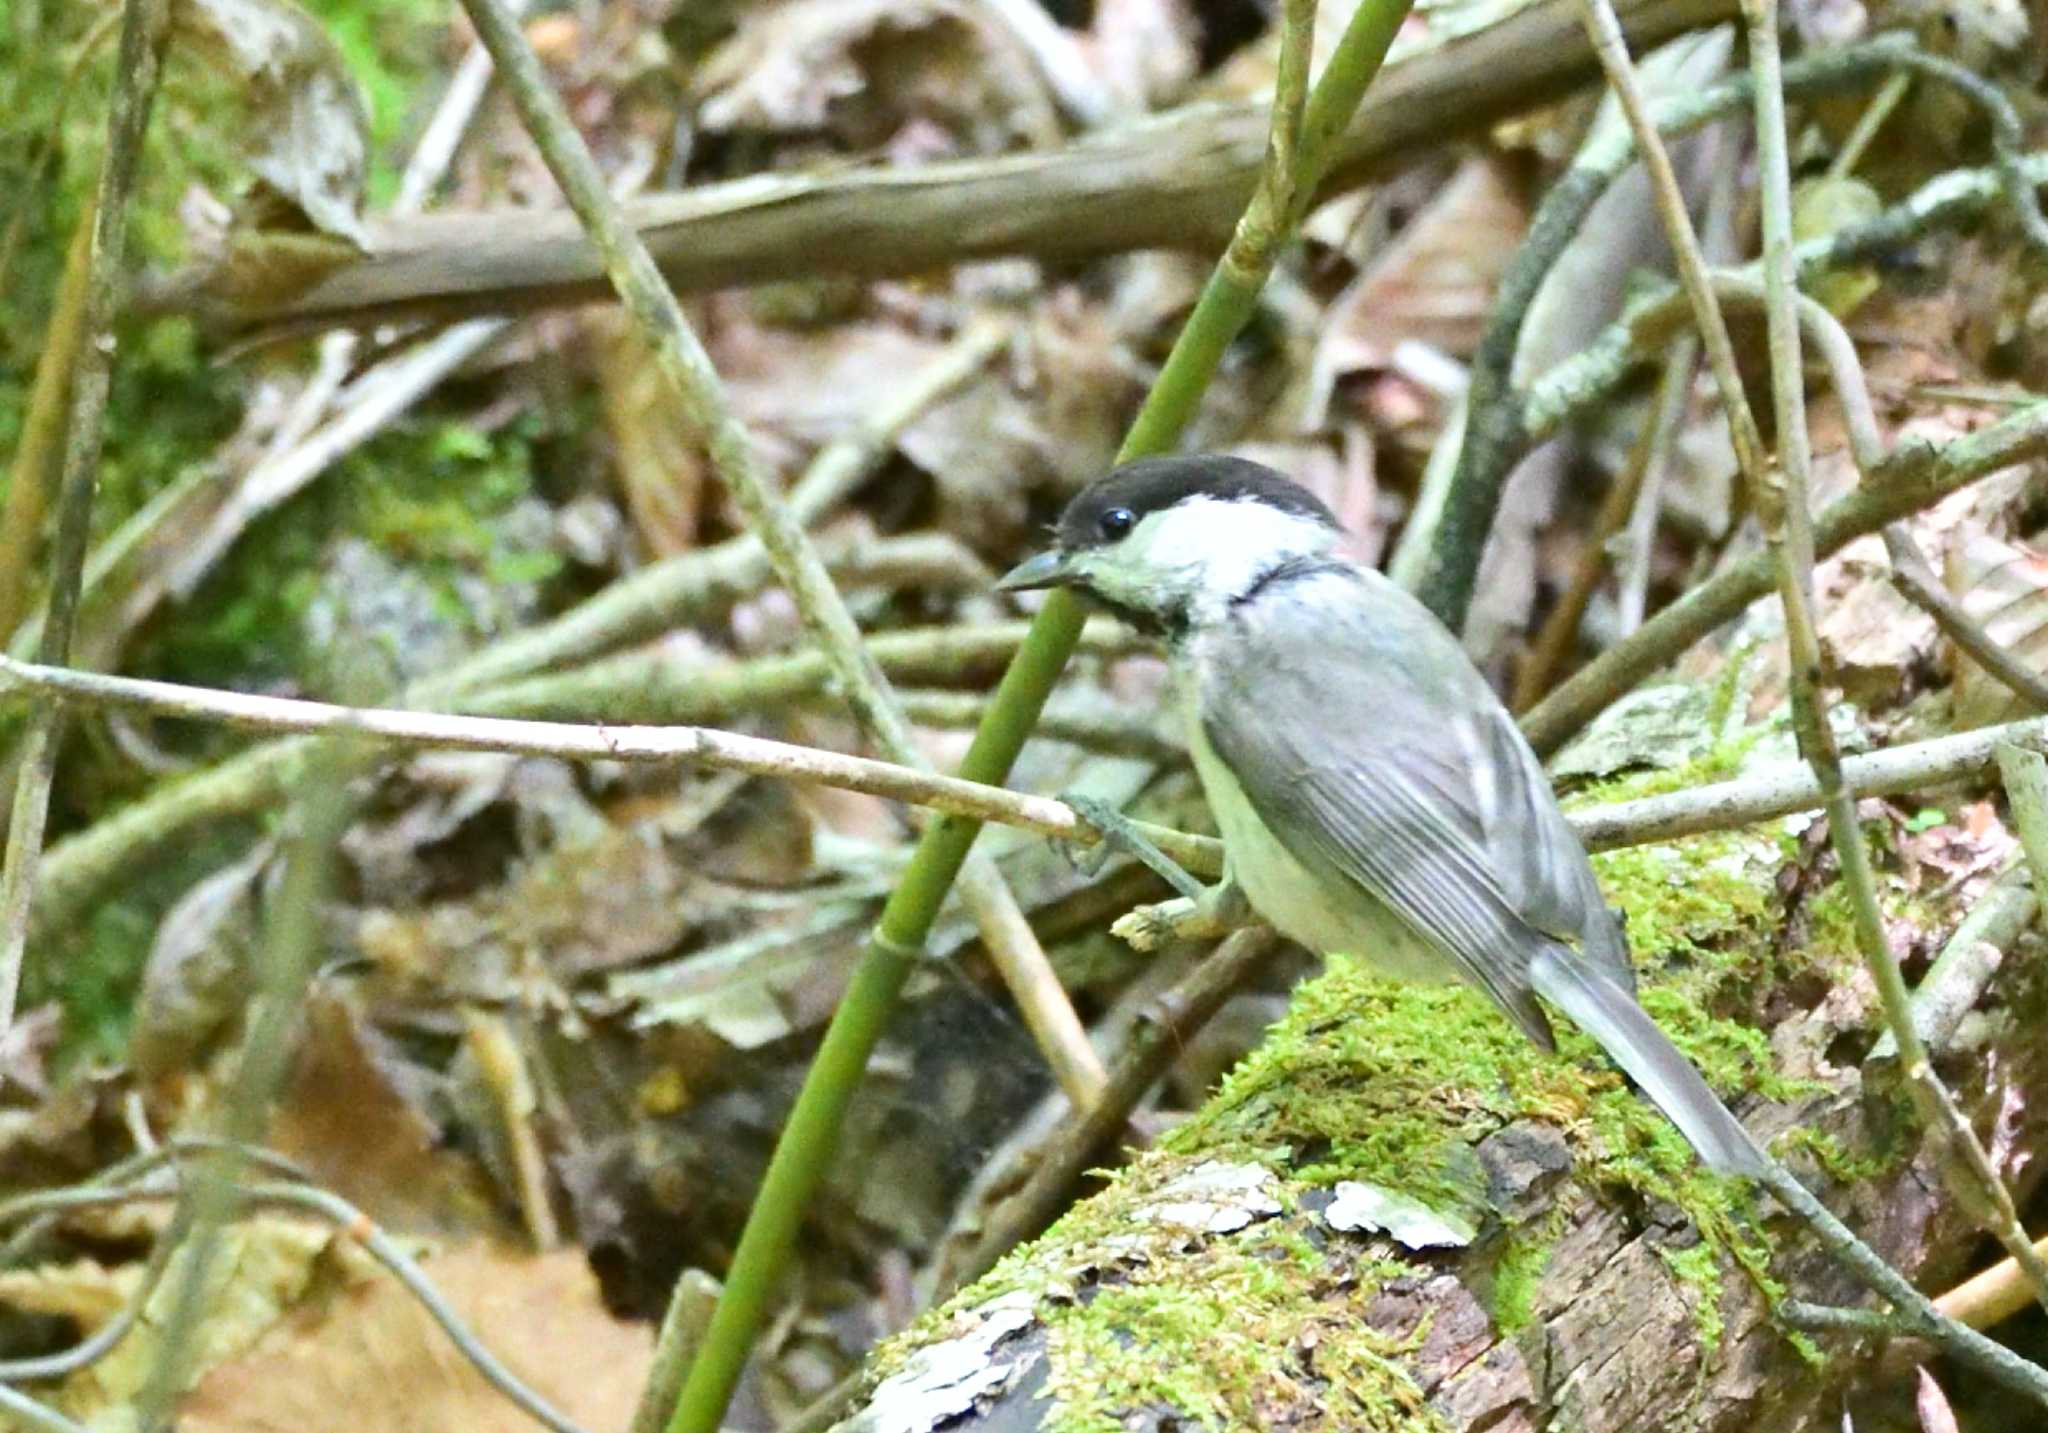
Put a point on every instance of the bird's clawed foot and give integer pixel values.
(1211, 914)
(1199, 913)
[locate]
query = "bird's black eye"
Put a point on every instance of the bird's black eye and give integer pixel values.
(1117, 522)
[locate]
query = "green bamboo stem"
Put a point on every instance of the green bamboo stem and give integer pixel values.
(805, 1148)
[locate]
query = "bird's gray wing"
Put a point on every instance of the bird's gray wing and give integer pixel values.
(1539, 859)
(1375, 752)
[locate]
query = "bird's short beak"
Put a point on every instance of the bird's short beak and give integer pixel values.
(1051, 568)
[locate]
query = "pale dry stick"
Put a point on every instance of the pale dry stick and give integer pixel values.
(446, 129)
(1994, 1295)
(682, 360)
(660, 745)
(84, 865)
(1059, 59)
(1772, 792)
(508, 1085)
(1049, 1014)
(1787, 787)
(144, 24)
(1639, 538)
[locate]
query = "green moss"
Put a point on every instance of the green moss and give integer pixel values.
(1243, 1340)
(1707, 896)
(1367, 1078)
(92, 973)
(432, 495)
(1518, 1271)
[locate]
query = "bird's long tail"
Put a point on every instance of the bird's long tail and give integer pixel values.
(1611, 1015)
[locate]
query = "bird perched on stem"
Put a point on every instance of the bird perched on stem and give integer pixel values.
(1373, 794)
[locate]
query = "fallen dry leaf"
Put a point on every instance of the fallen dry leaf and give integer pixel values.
(1434, 284)
(307, 130)
(2003, 585)
(372, 1358)
(348, 1117)
(1874, 639)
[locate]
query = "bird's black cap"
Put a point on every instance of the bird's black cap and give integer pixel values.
(1152, 484)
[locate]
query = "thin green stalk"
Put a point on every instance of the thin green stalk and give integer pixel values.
(292, 949)
(137, 69)
(42, 430)
(806, 1145)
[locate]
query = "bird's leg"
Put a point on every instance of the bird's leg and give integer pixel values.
(1199, 913)
(1120, 833)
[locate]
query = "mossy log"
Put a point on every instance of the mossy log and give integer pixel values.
(1556, 1259)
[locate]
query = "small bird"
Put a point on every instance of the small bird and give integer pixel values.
(1373, 795)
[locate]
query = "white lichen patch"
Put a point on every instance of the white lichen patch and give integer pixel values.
(1215, 1197)
(1409, 1222)
(943, 1380)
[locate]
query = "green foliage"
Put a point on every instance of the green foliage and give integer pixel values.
(393, 48)
(432, 495)
(93, 973)
(1518, 1271)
